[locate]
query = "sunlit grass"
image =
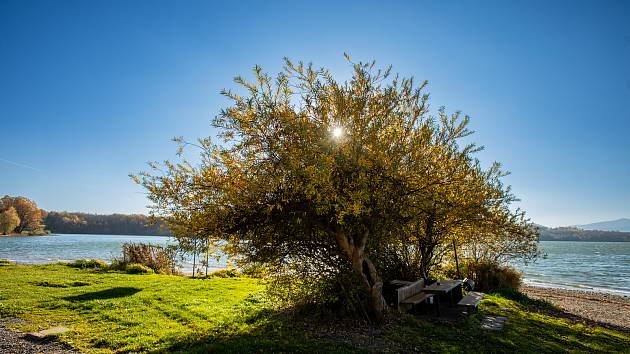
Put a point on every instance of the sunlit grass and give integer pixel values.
(115, 312)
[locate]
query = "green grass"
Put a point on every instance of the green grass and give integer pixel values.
(530, 329)
(117, 312)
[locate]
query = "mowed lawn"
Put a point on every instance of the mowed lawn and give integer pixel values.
(116, 312)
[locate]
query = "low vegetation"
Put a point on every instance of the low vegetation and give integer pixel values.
(136, 268)
(111, 312)
(488, 276)
(158, 259)
(88, 263)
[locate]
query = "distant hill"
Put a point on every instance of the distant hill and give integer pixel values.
(622, 225)
(576, 234)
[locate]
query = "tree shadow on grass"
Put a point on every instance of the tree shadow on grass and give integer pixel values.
(111, 293)
(269, 330)
(525, 300)
(276, 331)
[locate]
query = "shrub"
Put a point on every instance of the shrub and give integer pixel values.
(254, 270)
(88, 264)
(225, 273)
(136, 268)
(332, 295)
(490, 276)
(4, 262)
(160, 259)
(117, 264)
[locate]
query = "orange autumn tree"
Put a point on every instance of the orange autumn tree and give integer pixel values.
(9, 220)
(313, 176)
(29, 214)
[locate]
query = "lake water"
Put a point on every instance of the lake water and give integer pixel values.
(60, 248)
(599, 266)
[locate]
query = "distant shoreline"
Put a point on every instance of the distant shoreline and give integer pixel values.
(153, 235)
(61, 234)
(566, 240)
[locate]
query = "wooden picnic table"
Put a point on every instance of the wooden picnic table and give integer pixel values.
(400, 282)
(442, 287)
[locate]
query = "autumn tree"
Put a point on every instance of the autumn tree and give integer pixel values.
(316, 178)
(312, 171)
(469, 212)
(30, 215)
(9, 220)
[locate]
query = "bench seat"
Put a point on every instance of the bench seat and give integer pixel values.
(416, 299)
(471, 301)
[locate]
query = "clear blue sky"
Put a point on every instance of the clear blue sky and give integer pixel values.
(92, 90)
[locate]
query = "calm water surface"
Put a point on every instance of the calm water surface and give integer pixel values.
(600, 266)
(59, 248)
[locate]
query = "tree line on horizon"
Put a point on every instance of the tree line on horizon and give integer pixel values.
(98, 224)
(569, 233)
(20, 215)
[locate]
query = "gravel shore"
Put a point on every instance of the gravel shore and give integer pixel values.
(603, 309)
(12, 342)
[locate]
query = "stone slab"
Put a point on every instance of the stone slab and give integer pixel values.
(49, 332)
(493, 323)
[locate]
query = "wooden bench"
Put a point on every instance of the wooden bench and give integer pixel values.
(410, 294)
(416, 299)
(471, 301)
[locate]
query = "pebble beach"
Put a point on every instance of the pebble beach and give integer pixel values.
(593, 308)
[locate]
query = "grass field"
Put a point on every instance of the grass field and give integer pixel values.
(116, 312)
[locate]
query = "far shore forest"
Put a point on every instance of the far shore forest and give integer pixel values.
(41, 222)
(21, 216)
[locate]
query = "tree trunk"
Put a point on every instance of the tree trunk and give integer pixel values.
(207, 255)
(194, 256)
(426, 249)
(366, 271)
(459, 275)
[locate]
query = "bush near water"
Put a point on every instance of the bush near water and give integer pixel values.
(488, 276)
(159, 259)
(88, 263)
(136, 268)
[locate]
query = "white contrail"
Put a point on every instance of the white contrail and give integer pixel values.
(20, 165)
